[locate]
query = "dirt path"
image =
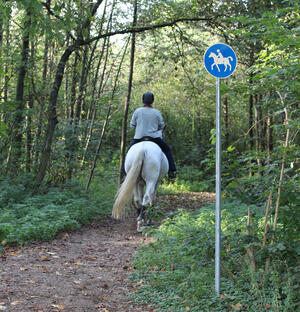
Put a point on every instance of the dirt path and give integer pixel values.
(84, 271)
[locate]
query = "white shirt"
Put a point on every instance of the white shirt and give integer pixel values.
(147, 121)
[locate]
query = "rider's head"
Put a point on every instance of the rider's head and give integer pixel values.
(148, 98)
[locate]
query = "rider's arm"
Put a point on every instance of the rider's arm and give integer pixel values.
(161, 124)
(133, 120)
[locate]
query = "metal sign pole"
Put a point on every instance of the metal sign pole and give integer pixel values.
(220, 61)
(218, 187)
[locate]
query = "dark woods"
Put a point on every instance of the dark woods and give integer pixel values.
(72, 72)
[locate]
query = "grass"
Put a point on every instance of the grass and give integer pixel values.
(188, 180)
(176, 272)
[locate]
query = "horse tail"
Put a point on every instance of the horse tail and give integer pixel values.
(229, 57)
(124, 193)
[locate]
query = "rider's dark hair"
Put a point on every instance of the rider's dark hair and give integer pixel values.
(148, 98)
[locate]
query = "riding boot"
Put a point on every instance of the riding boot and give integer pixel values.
(172, 175)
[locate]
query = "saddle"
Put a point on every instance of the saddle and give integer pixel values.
(157, 141)
(148, 138)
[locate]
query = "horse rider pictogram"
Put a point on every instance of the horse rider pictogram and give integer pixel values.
(219, 59)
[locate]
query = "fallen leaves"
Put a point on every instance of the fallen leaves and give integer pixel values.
(100, 309)
(58, 306)
(14, 303)
(76, 282)
(78, 263)
(89, 270)
(2, 306)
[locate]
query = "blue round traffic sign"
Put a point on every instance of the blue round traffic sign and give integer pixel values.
(220, 60)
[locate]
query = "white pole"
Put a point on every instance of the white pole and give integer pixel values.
(218, 187)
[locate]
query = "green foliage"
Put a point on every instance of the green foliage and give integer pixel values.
(177, 270)
(189, 179)
(26, 216)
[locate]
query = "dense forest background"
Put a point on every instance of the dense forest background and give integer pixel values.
(72, 72)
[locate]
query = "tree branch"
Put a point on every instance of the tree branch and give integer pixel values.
(144, 28)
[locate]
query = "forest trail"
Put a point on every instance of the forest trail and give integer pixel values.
(83, 271)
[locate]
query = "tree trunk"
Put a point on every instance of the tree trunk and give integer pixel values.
(29, 118)
(16, 152)
(279, 189)
(42, 102)
(258, 121)
(52, 114)
(124, 123)
(82, 85)
(70, 133)
(6, 79)
(250, 127)
(269, 134)
(93, 104)
(286, 146)
(73, 88)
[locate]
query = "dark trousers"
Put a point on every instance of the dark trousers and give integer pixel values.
(164, 147)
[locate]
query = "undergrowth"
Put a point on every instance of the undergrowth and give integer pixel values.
(176, 272)
(26, 215)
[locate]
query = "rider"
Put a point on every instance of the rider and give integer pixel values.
(220, 56)
(149, 125)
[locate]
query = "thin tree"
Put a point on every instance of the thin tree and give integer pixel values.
(17, 135)
(108, 114)
(42, 100)
(126, 107)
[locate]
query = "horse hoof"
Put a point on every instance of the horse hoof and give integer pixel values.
(140, 226)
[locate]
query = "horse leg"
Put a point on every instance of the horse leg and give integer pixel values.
(147, 200)
(148, 219)
(138, 195)
(137, 202)
(141, 219)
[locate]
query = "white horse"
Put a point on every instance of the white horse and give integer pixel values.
(145, 165)
(220, 60)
